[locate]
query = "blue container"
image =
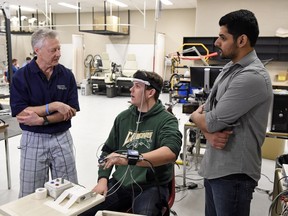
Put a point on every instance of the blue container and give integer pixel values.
(184, 91)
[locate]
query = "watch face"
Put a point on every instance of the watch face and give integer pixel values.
(132, 152)
(46, 122)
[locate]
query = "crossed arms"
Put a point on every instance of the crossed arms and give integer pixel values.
(34, 115)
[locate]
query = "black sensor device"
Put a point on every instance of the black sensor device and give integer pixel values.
(102, 159)
(132, 156)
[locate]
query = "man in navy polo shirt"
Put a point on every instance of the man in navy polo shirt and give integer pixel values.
(44, 98)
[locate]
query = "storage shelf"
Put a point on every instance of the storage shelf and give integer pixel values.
(109, 24)
(104, 32)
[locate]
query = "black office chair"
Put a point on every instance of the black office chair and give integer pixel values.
(171, 199)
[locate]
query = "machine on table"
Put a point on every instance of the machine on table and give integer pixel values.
(109, 78)
(279, 117)
(180, 90)
(102, 75)
(64, 199)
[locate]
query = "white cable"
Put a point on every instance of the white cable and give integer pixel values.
(141, 190)
(128, 167)
(120, 182)
(139, 117)
(98, 150)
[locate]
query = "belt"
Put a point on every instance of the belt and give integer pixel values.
(238, 176)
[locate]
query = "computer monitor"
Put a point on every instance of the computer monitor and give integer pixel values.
(204, 76)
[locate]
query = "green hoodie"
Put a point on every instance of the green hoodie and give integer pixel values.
(157, 128)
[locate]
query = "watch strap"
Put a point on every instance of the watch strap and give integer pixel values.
(46, 122)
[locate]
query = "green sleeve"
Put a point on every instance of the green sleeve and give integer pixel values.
(170, 135)
(109, 146)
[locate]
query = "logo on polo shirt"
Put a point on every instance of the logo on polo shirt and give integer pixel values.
(61, 87)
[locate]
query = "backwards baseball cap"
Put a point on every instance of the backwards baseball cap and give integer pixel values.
(148, 78)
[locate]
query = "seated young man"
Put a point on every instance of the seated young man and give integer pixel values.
(143, 144)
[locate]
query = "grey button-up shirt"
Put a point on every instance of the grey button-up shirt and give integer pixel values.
(239, 100)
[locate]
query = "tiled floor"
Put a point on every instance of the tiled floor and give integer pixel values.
(89, 130)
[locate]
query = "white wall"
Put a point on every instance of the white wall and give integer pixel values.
(175, 24)
(270, 14)
(21, 47)
(143, 52)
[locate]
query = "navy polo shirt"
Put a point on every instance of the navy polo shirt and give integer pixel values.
(30, 87)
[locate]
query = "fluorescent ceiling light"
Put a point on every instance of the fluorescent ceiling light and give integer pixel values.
(166, 2)
(118, 3)
(23, 8)
(69, 5)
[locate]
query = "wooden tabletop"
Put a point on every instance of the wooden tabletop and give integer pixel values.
(3, 125)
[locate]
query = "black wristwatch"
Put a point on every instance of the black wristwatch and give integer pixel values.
(46, 122)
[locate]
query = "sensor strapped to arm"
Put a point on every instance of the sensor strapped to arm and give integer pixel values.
(132, 156)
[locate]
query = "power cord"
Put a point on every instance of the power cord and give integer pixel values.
(268, 192)
(192, 185)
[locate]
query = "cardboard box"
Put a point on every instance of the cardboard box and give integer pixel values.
(112, 23)
(273, 147)
(281, 77)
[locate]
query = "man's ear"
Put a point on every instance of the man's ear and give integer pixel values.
(36, 50)
(151, 93)
(242, 40)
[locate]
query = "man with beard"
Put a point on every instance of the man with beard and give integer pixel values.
(234, 119)
(44, 98)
